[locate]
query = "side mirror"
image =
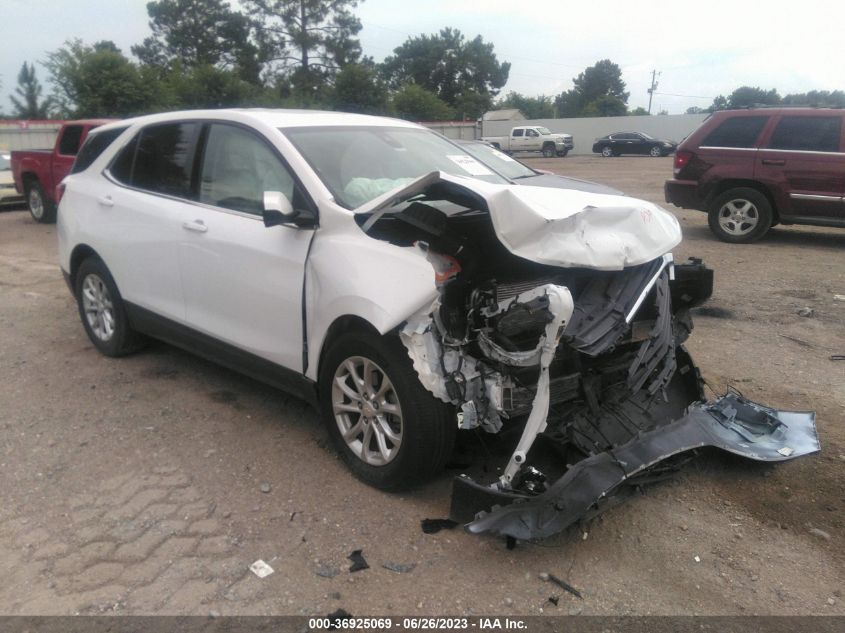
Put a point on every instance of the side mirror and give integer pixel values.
(278, 209)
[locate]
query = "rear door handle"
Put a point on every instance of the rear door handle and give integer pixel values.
(197, 225)
(105, 201)
(771, 161)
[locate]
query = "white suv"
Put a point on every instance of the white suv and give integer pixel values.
(374, 268)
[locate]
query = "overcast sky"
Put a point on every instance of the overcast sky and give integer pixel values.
(702, 49)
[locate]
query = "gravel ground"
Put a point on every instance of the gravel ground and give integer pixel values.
(149, 484)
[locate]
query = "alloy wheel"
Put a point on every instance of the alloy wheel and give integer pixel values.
(738, 217)
(98, 307)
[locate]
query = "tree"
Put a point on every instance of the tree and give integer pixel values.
(99, 81)
(310, 40)
(199, 33)
(466, 75)
(598, 91)
(719, 103)
(817, 98)
(29, 105)
(208, 87)
(746, 96)
(695, 110)
(415, 103)
(639, 111)
(540, 107)
(358, 88)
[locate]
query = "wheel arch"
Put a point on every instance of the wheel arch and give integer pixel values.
(735, 183)
(80, 253)
(342, 325)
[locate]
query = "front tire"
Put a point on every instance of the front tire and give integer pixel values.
(607, 152)
(389, 430)
(740, 215)
(562, 154)
(41, 208)
(549, 150)
(102, 310)
(655, 152)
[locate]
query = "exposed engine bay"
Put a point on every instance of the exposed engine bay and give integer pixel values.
(591, 360)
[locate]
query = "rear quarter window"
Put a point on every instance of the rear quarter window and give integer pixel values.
(807, 133)
(69, 143)
(739, 131)
(94, 145)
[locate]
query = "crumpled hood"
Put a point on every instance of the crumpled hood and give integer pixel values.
(559, 227)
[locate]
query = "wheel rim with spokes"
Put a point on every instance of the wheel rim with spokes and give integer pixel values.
(98, 307)
(738, 217)
(367, 411)
(655, 151)
(606, 151)
(36, 204)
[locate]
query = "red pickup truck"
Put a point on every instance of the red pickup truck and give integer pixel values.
(37, 173)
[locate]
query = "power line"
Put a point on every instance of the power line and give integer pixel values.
(670, 94)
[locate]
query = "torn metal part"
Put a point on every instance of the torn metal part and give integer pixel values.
(560, 308)
(731, 423)
(452, 375)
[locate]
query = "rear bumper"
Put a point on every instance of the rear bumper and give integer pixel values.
(683, 193)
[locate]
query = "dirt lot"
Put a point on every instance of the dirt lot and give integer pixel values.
(134, 485)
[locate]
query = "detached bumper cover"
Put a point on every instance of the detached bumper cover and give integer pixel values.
(731, 423)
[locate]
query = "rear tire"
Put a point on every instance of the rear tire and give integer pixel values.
(655, 152)
(740, 216)
(389, 430)
(41, 208)
(102, 310)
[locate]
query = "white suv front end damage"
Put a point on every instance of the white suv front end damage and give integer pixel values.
(566, 307)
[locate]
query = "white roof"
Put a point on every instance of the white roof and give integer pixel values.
(271, 117)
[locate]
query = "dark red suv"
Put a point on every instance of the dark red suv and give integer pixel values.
(752, 169)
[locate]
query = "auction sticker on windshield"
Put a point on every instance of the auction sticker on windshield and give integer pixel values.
(470, 165)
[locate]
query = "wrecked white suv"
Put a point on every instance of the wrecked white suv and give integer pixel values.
(374, 268)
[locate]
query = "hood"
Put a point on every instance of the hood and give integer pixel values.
(558, 227)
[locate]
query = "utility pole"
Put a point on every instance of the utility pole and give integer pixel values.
(654, 76)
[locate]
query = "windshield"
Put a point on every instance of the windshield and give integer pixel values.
(5, 162)
(646, 136)
(358, 164)
(544, 131)
(498, 161)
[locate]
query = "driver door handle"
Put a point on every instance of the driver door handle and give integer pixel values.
(197, 226)
(105, 201)
(771, 161)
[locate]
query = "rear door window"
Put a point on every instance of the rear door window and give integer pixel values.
(69, 143)
(164, 159)
(518, 132)
(94, 145)
(740, 131)
(807, 133)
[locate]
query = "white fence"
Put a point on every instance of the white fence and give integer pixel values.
(28, 134)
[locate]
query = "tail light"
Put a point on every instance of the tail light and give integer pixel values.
(60, 191)
(682, 158)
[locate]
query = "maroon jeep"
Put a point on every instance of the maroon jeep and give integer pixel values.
(751, 169)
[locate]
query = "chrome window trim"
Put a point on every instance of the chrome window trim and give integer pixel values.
(773, 149)
(738, 149)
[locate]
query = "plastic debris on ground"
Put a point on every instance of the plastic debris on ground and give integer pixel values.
(399, 568)
(433, 526)
(261, 569)
(358, 561)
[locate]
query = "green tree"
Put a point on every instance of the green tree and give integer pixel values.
(465, 74)
(746, 96)
(541, 107)
(358, 88)
(817, 98)
(30, 105)
(99, 81)
(415, 103)
(309, 40)
(639, 111)
(598, 91)
(198, 33)
(719, 103)
(208, 87)
(695, 110)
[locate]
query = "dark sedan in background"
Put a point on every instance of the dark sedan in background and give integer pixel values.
(620, 143)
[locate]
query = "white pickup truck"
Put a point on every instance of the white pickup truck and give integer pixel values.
(532, 138)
